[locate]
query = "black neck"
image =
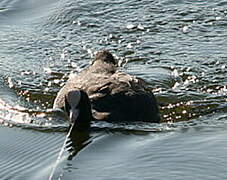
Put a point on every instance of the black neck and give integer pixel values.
(83, 122)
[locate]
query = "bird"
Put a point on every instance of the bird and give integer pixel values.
(101, 92)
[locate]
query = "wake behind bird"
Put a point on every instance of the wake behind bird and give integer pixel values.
(56, 171)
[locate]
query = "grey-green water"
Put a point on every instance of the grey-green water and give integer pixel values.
(179, 47)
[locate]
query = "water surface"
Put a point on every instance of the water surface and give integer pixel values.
(179, 47)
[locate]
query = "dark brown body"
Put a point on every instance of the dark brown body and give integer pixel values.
(114, 96)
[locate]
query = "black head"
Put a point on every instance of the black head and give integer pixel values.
(78, 108)
(105, 56)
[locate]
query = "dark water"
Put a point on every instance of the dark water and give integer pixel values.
(179, 47)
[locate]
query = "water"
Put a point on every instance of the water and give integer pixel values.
(179, 47)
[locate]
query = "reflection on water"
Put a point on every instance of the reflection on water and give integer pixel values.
(178, 47)
(77, 141)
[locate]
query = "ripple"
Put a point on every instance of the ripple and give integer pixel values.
(24, 155)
